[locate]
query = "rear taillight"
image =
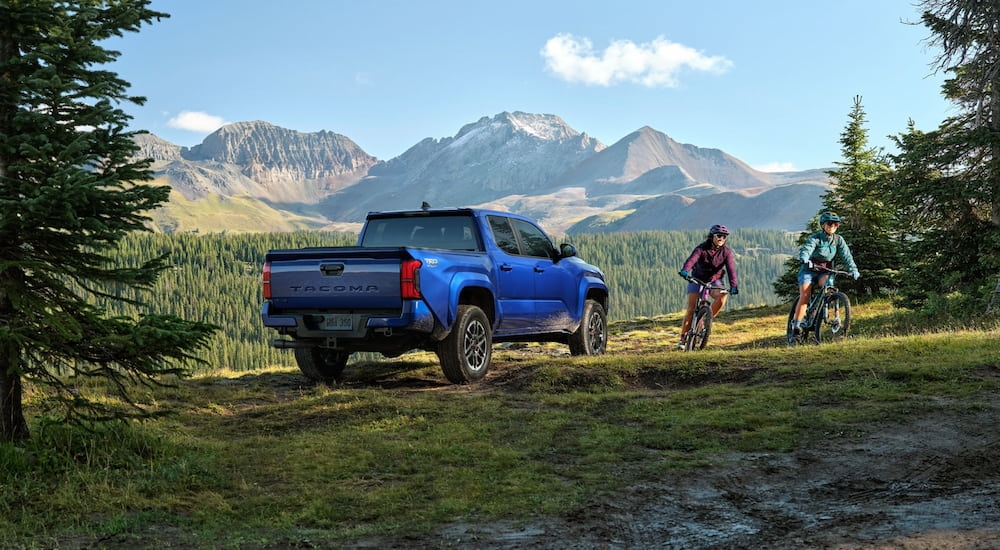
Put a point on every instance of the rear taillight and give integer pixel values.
(409, 279)
(266, 281)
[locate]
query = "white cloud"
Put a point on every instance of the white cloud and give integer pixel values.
(653, 64)
(776, 167)
(195, 121)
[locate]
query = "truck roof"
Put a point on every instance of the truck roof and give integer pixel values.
(440, 212)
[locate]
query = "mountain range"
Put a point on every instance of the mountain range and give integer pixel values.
(255, 176)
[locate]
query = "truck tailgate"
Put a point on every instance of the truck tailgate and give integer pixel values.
(335, 278)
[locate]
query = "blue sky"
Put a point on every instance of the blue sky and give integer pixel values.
(770, 82)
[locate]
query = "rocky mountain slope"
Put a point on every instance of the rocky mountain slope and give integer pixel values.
(254, 176)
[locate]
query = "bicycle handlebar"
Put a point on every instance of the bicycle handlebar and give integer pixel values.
(828, 270)
(704, 284)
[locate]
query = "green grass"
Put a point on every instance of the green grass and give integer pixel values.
(231, 214)
(263, 459)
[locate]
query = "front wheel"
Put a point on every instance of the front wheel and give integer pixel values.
(465, 353)
(834, 318)
(322, 364)
(591, 338)
(793, 339)
(701, 328)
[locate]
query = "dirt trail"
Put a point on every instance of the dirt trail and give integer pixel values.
(930, 484)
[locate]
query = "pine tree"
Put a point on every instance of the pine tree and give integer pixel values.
(858, 198)
(70, 189)
(947, 181)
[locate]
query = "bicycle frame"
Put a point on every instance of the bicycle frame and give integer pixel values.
(701, 318)
(818, 296)
(825, 299)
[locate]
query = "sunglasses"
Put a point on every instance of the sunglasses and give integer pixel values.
(831, 223)
(720, 236)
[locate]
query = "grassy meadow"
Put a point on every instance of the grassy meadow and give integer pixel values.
(265, 460)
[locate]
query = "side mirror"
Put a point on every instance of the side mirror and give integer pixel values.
(567, 250)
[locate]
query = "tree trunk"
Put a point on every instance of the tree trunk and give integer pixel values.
(12, 424)
(994, 174)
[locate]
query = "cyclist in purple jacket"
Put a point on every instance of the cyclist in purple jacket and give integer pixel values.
(710, 261)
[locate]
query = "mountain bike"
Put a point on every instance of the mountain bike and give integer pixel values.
(828, 317)
(701, 320)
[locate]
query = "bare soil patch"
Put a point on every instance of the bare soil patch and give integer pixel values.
(929, 483)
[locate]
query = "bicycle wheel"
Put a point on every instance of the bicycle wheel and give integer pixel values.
(790, 335)
(701, 328)
(834, 318)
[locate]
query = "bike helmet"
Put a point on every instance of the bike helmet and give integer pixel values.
(828, 217)
(718, 230)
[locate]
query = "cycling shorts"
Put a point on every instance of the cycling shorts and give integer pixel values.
(807, 276)
(694, 288)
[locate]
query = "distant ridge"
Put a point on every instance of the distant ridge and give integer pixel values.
(532, 163)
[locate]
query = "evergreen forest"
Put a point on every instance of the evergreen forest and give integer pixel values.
(216, 278)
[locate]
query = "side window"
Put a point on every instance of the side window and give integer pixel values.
(503, 234)
(536, 242)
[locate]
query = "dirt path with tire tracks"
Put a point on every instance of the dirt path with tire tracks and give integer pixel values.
(930, 484)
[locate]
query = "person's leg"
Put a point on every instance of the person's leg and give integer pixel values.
(821, 280)
(805, 291)
(688, 315)
(805, 280)
(718, 302)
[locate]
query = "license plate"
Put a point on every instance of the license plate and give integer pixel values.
(338, 322)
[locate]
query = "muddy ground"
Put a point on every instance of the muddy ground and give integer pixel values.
(933, 483)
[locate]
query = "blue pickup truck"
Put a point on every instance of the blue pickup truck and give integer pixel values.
(451, 281)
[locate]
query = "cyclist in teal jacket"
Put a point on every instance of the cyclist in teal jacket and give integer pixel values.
(820, 250)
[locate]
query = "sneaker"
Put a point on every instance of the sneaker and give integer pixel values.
(682, 343)
(797, 330)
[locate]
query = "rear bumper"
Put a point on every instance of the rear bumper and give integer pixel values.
(414, 316)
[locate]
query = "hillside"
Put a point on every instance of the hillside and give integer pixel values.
(641, 270)
(746, 444)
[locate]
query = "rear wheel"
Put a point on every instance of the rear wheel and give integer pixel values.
(591, 338)
(322, 364)
(701, 328)
(835, 318)
(465, 353)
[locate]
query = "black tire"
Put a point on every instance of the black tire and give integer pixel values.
(793, 339)
(701, 329)
(835, 318)
(466, 352)
(322, 364)
(591, 337)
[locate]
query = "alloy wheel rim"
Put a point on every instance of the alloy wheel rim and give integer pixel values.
(596, 329)
(475, 346)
